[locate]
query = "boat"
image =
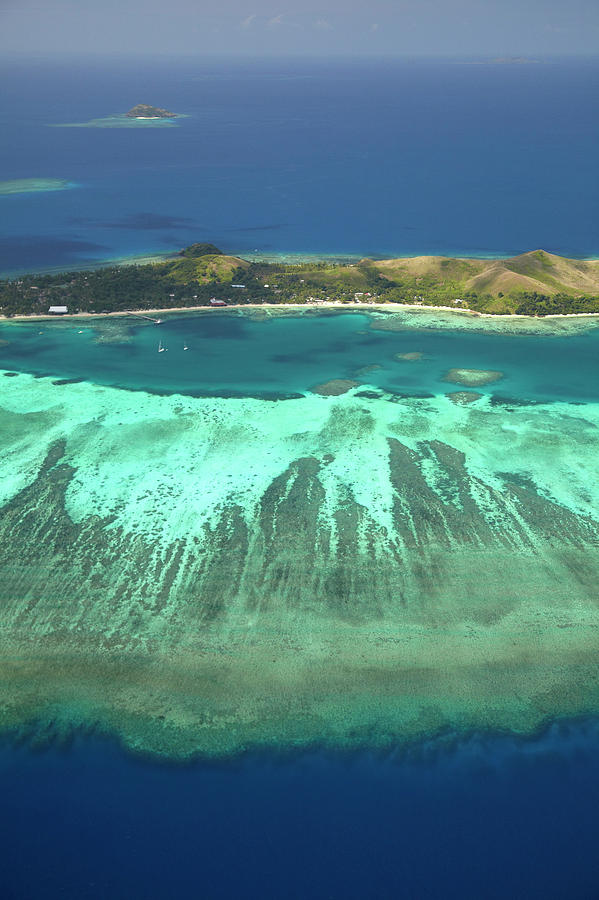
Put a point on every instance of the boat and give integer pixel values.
(161, 349)
(185, 347)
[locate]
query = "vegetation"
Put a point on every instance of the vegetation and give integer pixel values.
(142, 110)
(533, 304)
(196, 250)
(535, 283)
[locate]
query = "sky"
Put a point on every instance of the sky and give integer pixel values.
(487, 28)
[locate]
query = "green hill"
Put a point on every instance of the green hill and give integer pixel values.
(534, 282)
(213, 267)
(538, 271)
(534, 271)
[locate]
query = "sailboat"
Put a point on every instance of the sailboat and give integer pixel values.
(161, 349)
(185, 347)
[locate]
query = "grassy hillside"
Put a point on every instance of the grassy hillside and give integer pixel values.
(538, 271)
(499, 286)
(534, 271)
(444, 268)
(210, 268)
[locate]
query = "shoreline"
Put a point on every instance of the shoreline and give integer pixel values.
(354, 307)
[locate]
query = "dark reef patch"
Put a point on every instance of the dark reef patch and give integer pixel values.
(503, 400)
(369, 395)
(16, 252)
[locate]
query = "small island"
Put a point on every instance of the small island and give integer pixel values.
(143, 111)
(33, 185)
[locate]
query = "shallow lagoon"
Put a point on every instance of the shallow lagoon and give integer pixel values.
(263, 353)
(355, 570)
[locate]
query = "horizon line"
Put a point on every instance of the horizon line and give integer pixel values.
(348, 56)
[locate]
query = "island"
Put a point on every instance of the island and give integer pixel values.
(535, 283)
(143, 111)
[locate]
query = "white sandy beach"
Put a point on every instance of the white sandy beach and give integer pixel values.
(354, 307)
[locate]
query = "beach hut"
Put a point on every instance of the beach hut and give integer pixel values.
(58, 310)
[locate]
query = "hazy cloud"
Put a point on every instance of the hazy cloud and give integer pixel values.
(131, 28)
(275, 227)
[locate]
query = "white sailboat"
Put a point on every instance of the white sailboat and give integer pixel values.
(161, 349)
(185, 347)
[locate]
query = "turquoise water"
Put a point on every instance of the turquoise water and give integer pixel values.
(232, 354)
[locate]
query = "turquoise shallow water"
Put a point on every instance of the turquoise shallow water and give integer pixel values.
(235, 355)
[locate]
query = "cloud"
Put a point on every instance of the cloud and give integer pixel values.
(374, 27)
(247, 23)
(323, 25)
(276, 21)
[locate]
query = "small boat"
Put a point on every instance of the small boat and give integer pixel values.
(185, 347)
(161, 349)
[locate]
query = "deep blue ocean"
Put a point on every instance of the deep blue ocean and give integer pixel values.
(369, 158)
(487, 818)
